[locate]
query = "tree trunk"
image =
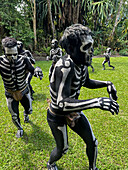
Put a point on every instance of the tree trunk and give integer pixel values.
(116, 21)
(33, 7)
(34, 25)
(76, 20)
(66, 12)
(50, 18)
(70, 12)
(1, 36)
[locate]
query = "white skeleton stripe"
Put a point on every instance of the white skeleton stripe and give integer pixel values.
(13, 76)
(52, 92)
(80, 106)
(64, 132)
(2, 66)
(112, 110)
(54, 106)
(76, 83)
(114, 107)
(65, 72)
(105, 107)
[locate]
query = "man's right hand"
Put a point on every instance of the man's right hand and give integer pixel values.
(109, 104)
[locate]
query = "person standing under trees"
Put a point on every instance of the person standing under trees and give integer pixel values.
(69, 75)
(13, 69)
(28, 54)
(55, 55)
(107, 58)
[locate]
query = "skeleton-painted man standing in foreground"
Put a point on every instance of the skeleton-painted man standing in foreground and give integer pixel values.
(69, 75)
(13, 69)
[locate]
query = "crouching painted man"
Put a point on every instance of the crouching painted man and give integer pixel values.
(13, 69)
(69, 75)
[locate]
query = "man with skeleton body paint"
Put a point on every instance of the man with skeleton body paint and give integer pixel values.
(107, 58)
(69, 75)
(55, 55)
(13, 69)
(28, 54)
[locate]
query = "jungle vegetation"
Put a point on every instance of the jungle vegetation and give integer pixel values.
(36, 22)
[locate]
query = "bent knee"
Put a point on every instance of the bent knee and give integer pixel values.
(28, 112)
(14, 117)
(62, 151)
(95, 142)
(65, 150)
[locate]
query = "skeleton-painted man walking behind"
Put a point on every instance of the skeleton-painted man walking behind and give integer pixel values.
(69, 75)
(107, 58)
(28, 54)
(13, 69)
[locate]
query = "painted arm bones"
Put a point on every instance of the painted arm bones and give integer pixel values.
(93, 84)
(68, 104)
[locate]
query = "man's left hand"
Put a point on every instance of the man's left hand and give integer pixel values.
(112, 91)
(38, 73)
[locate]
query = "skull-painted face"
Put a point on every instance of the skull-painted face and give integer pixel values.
(78, 43)
(54, 43)
(19, 44)
(11, 53)
(87, 48)
(20, 47)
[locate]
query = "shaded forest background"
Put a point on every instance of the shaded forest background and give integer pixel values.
(37, 22)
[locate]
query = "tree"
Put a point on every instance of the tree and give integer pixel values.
(50, 18)
(38, 21)
(15, 21)
(33, 8)
(117, 20)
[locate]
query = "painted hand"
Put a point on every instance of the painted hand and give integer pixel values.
(112, 91)
(38, 73)
(109, 104)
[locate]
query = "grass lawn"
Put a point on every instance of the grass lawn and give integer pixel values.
(32, 151)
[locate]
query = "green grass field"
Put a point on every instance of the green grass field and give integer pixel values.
(32, 151)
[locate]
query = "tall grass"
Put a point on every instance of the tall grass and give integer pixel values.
(32, 151)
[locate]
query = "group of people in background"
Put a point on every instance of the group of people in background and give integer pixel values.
(56, 54)
(67, 75)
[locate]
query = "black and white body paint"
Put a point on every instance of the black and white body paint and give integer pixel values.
(69, 75)
(13, 70)
(107, 55)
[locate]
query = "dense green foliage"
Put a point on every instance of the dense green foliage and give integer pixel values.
(33, 150)
(17, 20)
(14, 23)
(124, 52)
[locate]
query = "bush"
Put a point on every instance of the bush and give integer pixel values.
(99, 50)
(46, 50)
(123, 52)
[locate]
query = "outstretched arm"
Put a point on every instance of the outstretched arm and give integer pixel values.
(94, 84)
(77, 105)
(63, 80)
